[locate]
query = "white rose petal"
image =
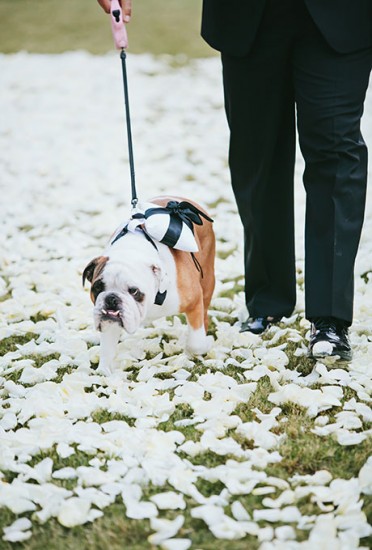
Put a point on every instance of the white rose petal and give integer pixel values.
(65, 473)
(9, 421)
(169, 501)
(176, 544)
(345, 437)
(285, 532)
(239, 512)
(65, 450)
(17, 536)
(313, 400)
(365, 477)
(165, 529)
(18, 531)
(209, 513)
(74, 511)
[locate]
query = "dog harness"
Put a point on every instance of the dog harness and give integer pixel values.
(172, 225)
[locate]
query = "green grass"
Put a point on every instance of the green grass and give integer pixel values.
(112, 532)
(12, 343)
(54, 26)
(305, 453)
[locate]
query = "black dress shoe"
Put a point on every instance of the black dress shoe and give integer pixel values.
(258, 325)
(329, 338)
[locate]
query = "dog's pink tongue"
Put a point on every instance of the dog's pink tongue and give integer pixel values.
(112, 312)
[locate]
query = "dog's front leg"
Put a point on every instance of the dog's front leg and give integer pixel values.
(110, 334)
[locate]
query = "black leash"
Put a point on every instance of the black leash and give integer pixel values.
(123, 56)
(179, 213)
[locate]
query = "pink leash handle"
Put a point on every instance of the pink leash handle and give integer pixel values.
(117, 25)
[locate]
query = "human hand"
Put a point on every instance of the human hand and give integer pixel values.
(126, 6)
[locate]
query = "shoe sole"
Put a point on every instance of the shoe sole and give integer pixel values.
(332, 359)
(325, 349)
(254, 331)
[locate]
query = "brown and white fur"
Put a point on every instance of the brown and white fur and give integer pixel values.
(127, 277)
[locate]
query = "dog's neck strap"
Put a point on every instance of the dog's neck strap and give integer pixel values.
(160, 297)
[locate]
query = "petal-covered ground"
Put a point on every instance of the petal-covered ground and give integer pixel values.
(253, 444)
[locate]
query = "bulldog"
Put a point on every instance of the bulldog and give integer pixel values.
(137, 280)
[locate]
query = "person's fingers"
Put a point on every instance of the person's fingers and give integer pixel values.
(126, 5)
(127, 10)
(105, 4)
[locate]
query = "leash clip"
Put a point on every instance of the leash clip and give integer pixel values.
(117, 25)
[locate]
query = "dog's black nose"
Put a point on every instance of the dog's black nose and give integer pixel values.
(112, 301)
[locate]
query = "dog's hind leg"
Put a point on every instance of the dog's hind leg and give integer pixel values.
(110, 334)
(198, 343)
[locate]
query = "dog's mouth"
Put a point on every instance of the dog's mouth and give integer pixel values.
(113, 315)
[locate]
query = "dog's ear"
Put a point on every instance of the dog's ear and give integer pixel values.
(96, 264)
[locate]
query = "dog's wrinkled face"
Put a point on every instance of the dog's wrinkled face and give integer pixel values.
(120, 295)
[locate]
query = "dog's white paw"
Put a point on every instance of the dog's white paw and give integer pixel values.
(104, 369)
(199, 346)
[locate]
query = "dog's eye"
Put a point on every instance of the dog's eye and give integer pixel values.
(133, 290)
(136, 293)
(98, 287)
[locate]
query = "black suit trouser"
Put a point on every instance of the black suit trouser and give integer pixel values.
(291, 66)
